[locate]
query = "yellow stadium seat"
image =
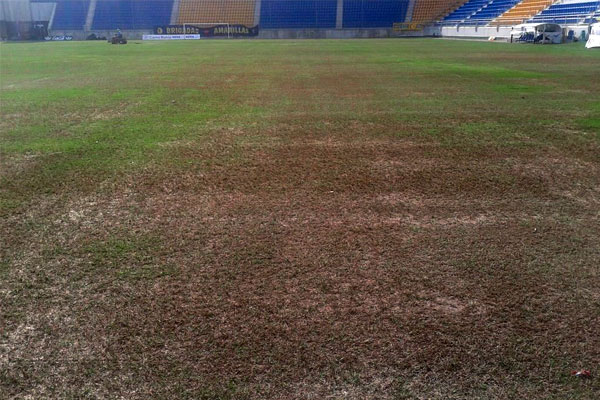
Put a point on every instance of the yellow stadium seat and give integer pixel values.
(427, 11)
(208, 11)
(522, 12)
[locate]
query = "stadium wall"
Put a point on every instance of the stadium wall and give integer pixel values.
(334, 33)
(16, 21)
(15, 11)
(473, 32)
(272, 33)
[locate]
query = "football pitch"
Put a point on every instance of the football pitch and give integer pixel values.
(318, 219)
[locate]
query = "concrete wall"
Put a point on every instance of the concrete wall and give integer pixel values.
(42, 11)
(81, 35)
(475, 32)
(265, 33)
(15, 11)
(466, 32)
(484, 32)
(325, 33)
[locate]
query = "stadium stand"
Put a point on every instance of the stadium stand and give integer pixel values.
(522, 12)
(466, 10)
(568, 12)
(479, 11)
(311, 14)
(226, 11)
(69, 14)
(492, 10)
(373, 13)
(297, 14)
(427, 11)
(131, 14)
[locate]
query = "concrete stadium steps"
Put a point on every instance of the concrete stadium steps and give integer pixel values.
(479, 12)
(207, 11)
(428, 11)
(522, 12)
(466, 10)
(492, 10)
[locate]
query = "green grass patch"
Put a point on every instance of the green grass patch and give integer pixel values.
(131, 258)
(117, 250)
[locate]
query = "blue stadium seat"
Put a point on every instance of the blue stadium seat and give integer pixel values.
(568, 13)
(493, 10)
(480, 11)
(466, 10)
(297, 14)
(373, 13)
(70, 14)
(131, 14)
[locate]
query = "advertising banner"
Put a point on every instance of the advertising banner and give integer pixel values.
(170, 37)
(207, 31)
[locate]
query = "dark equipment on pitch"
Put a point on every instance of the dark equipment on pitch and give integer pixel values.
(94, 37)
(118, 38)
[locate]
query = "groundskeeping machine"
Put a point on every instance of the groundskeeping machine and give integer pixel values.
(594, 38)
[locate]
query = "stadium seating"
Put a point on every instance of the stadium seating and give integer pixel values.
(479, 11)
(568, 13)
(131, 14)
(297, 14)
(207, 11)
(70, 14)
(303, 14)
(466, 10)
(373, 13)
(492, 10)
(522, 12)
(427, 11)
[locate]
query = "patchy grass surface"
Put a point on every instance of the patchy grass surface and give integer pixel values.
(360, 219)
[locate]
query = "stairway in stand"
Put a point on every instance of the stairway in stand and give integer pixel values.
(522, 12)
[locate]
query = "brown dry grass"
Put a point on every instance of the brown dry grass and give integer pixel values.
(309, 270)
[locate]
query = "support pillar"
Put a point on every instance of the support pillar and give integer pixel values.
(409, 11)
(257, 6)
(89, 19)
(339, 18)
(175, 12)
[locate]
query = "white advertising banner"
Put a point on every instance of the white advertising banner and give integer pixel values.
(170, 37)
